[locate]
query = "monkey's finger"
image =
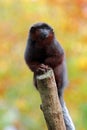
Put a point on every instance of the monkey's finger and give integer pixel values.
(42, 65)
(40, 71)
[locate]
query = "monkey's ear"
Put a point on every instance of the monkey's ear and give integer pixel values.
(32, 29)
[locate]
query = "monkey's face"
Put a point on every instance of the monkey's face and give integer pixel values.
(41, 33)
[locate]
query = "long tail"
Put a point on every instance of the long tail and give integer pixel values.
(67, 119)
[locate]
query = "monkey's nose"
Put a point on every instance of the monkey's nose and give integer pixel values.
(43, 36)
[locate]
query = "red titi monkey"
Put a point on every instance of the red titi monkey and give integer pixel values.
(44, 51)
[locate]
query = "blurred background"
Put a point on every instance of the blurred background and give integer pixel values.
(19, 100)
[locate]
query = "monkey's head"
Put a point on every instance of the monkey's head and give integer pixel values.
(41, 33)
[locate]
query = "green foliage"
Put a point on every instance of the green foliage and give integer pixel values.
(84, 115)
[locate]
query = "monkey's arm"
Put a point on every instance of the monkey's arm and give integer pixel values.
(31, 60)
(32, 64)
(28, 56)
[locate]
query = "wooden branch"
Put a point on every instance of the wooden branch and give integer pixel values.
(50, 103)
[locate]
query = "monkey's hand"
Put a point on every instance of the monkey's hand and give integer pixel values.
(42, 69)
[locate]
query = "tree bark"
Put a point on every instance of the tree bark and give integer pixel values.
(50, 102)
